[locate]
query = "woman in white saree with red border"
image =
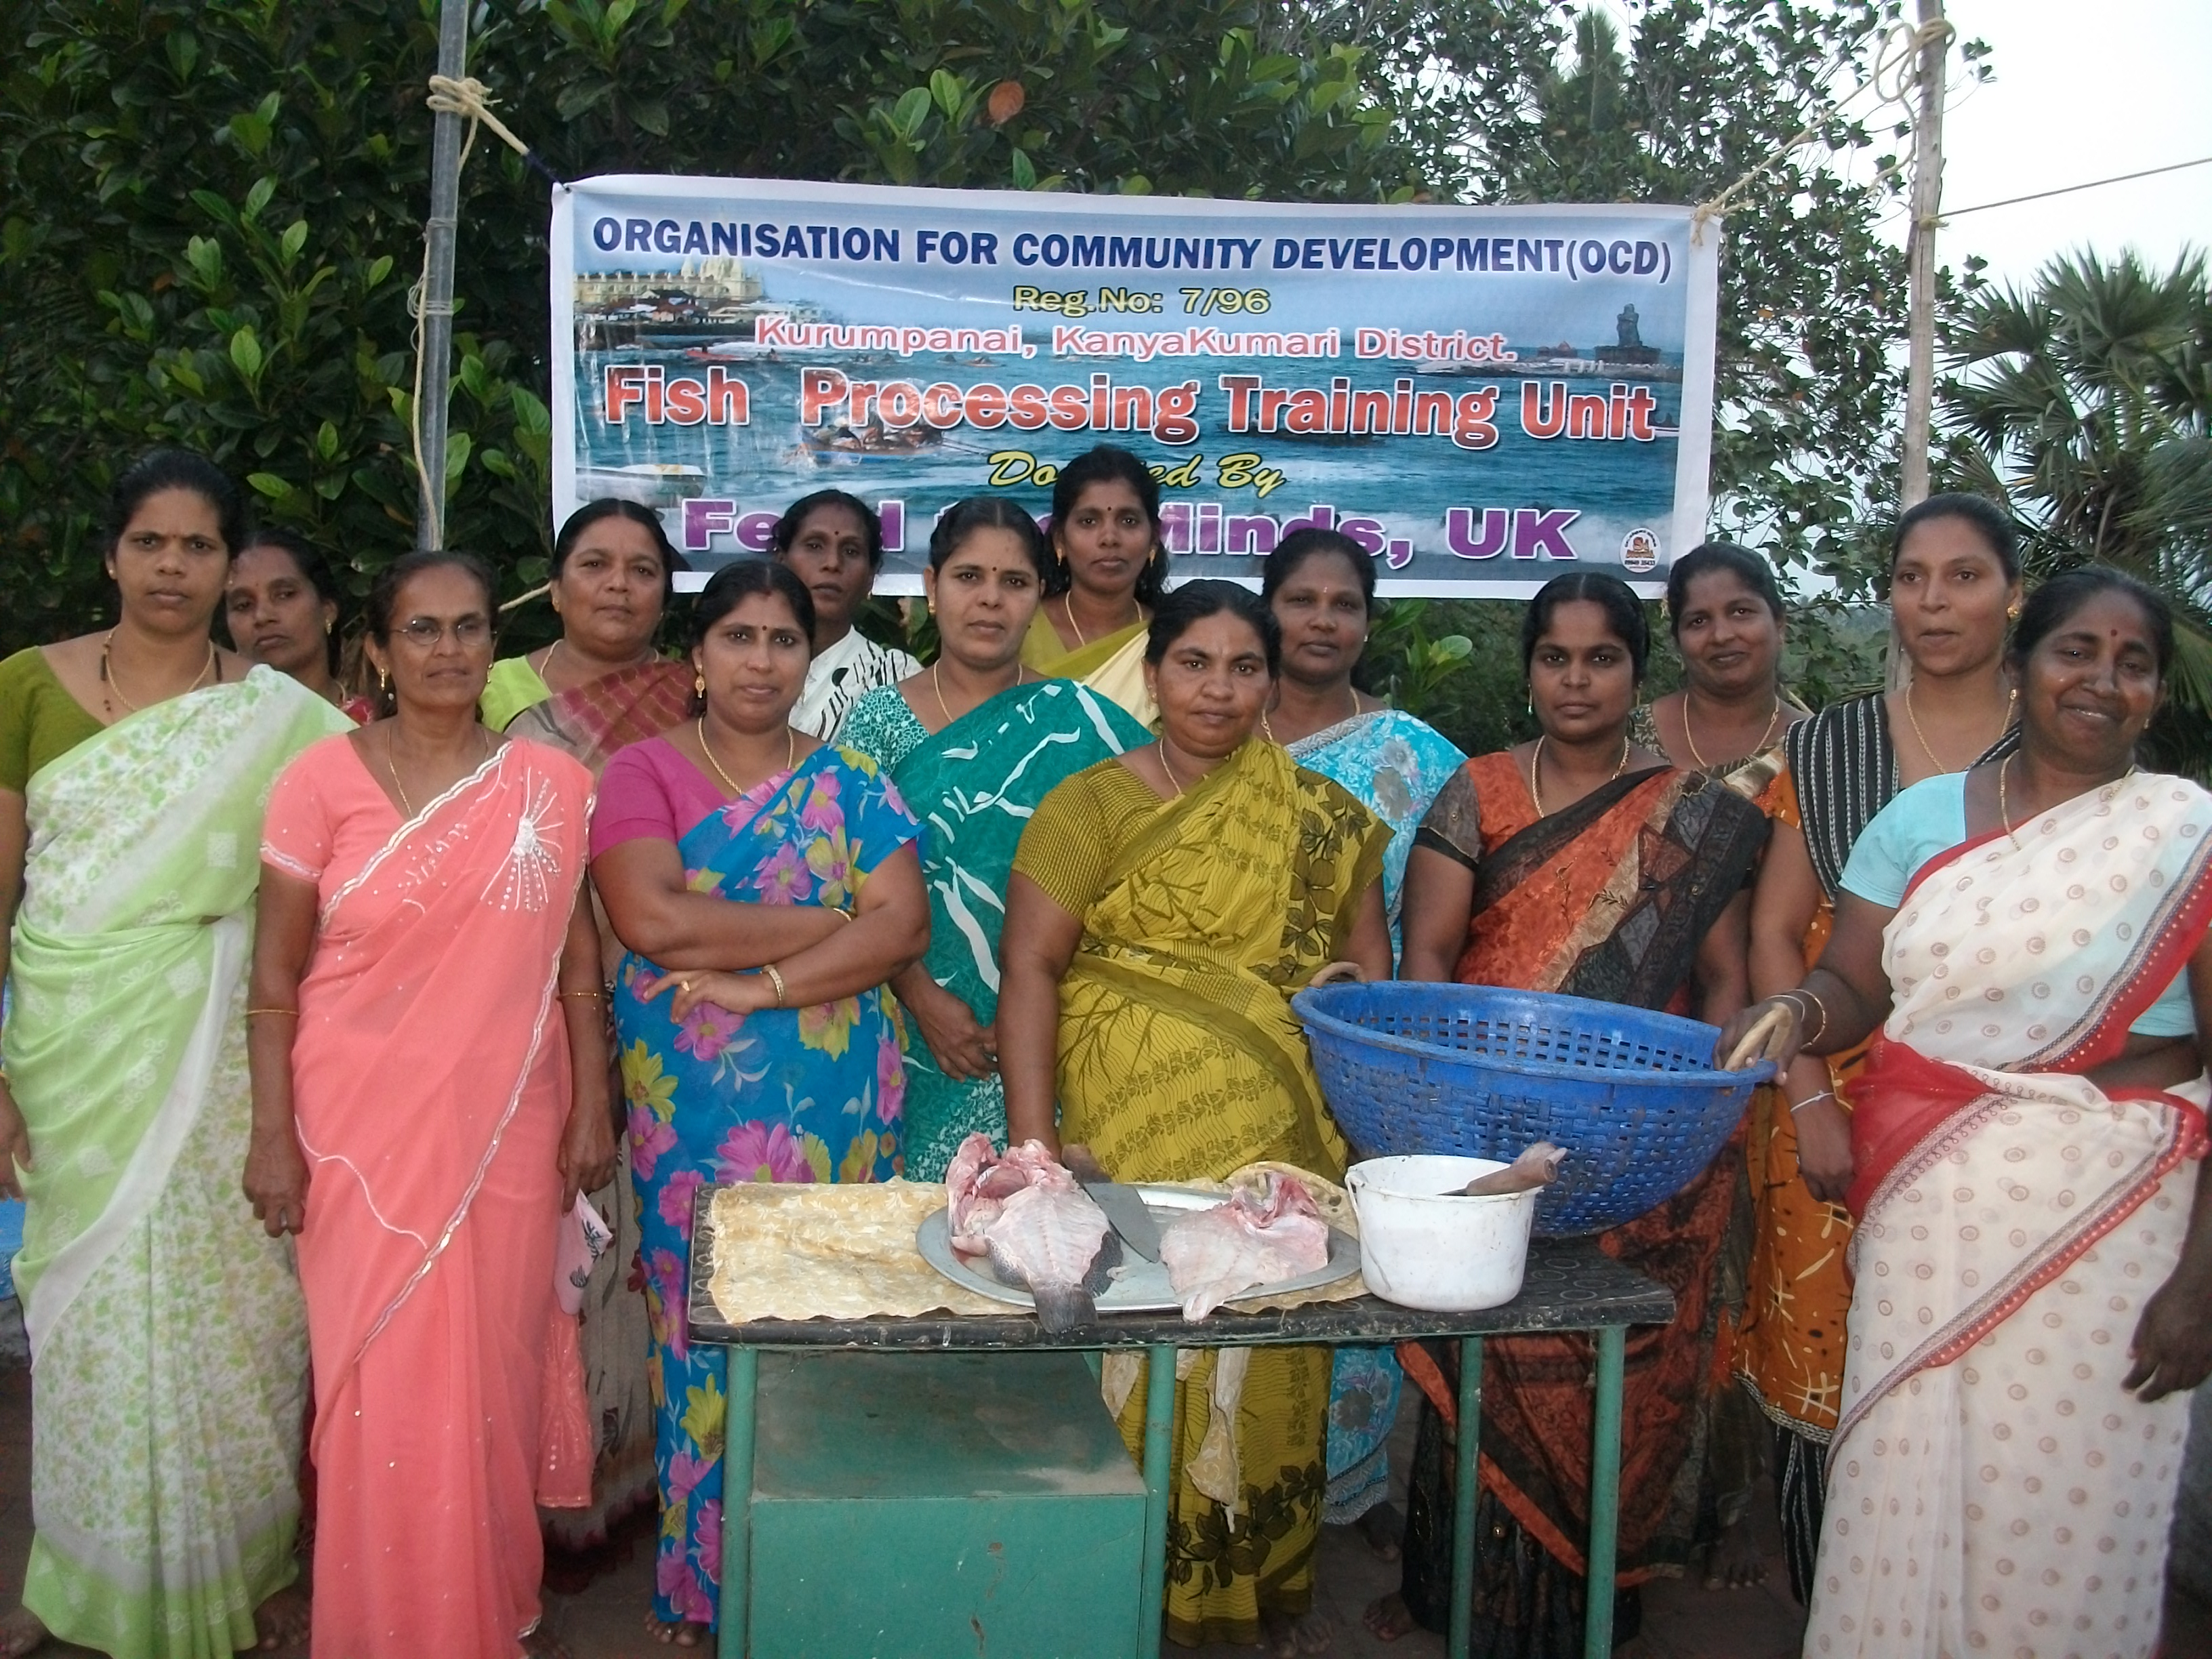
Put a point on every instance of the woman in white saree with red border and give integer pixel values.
(2033, 1269)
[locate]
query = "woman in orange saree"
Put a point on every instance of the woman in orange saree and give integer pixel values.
(1582, 866)
(426, 986)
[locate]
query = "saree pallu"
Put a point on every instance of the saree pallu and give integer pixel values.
(1394, 764)
(590, 722)
(1113, 666)
(166, 1326)
(1608, 899)
(975, 786)
(1991, 1487)
(785, 1094)
(1179, 1057)
(431, 1088)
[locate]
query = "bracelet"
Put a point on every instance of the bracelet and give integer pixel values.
(775, 978)
(843, 912)
(593, 993)
(1817, 1003)
(1798, 1106)
(293, 1013)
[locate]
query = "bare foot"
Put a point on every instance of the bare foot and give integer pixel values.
(283, 1621)
(1734, 1562)
(1389, 1618)
(1286, 1637)
(1384, 1529)
(21, 1631)
(669, 1632)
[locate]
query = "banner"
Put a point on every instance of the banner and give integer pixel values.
(1480, 397)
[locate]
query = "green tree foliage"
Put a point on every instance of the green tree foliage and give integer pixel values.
(213, 216)
(2084, 402)
(214, 209)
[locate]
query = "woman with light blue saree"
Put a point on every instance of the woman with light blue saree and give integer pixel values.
(1320, 586)
(765, 887)
(974, 743)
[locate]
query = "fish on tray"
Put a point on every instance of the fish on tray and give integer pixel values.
(1035, 1223)
(1258, 1236)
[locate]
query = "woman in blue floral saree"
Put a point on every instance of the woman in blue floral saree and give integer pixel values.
(765, 887)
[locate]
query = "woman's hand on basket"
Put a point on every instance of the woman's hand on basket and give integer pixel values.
(2172, 1343)
(1770, 1029)
(276, 1183)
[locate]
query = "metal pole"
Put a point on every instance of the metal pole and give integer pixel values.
(1465, 1471)
(1920, 251)
(437, 296)
(1159, 1427)
(1605, 1492)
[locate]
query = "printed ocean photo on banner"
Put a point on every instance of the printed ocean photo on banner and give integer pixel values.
(1479, 395)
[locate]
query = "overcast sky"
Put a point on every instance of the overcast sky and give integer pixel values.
(2082, 91)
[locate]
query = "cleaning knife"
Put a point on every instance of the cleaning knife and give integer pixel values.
(1125, 1208)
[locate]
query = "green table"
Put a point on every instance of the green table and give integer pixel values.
(1571, 1285)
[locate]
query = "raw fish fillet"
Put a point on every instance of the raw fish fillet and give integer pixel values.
(1039, 1228)
(1258, 1236)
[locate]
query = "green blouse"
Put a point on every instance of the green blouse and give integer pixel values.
(39, 721)
(514, 685)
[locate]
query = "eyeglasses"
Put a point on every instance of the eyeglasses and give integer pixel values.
(425, 632)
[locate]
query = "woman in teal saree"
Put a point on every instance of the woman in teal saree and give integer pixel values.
(765, 887)
(167, 1330)
(974, 743)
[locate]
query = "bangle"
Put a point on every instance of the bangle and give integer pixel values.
(293, 1013)
(1817, 1003)
(843, 912)
(775, 978)
(593, 993)
(1798, 1106)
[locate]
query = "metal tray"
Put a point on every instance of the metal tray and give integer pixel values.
(1138, 1285)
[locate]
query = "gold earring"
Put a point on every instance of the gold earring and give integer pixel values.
(2012, 612)
(698, 685)
(384, 679)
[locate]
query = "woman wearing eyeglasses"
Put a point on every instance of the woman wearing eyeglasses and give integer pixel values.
(431, 1093)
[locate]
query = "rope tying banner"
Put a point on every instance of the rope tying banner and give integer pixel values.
(1894, 78)
(469, 99)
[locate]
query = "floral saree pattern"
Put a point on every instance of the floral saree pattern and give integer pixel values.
(783, 1095)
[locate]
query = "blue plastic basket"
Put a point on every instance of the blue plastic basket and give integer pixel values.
(1480, 1072)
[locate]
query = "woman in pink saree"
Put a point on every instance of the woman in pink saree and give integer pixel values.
(430, 1095)
(2034, 1257)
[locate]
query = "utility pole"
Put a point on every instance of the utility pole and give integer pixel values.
(1935, 41)
(1920, 250)
(436, 300)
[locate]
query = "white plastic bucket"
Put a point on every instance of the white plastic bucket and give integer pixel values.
(1421, 1250)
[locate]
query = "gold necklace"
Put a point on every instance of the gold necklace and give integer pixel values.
(1536, 759)
(1690, 737)
(790, 755)
(1162, 747)
(2012, 696)
(939, 690)
(108, 680)
(391, 767)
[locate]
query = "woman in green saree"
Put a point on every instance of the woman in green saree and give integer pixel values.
(1113, 567)
(167, 1329)
(973, 745)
